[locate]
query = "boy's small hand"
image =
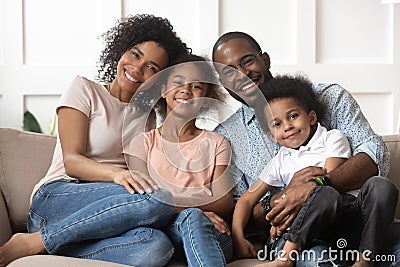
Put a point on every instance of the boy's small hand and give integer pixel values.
(273, 231)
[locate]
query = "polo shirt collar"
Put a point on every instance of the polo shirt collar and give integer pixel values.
(319, 133)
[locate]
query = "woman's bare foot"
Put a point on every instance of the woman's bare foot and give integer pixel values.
(20, 245)
(285, 257)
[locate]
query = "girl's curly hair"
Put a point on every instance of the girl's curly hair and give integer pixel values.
(134, 30)
(213, 87)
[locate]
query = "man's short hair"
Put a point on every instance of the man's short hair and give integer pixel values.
(226, 37)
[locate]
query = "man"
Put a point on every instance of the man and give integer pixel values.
(243, 68)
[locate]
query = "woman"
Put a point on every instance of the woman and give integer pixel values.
(89, 205)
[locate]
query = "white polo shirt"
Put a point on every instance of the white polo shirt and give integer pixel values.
(324, 144)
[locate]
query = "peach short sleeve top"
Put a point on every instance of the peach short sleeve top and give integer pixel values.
(186, 168)
(105, 115)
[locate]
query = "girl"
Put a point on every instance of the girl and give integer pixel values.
(189, 162)
(87, 205)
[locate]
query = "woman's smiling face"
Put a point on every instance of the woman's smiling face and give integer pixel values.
(138, 64)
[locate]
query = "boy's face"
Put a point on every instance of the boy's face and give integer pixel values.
(289, 123)
(184, 86)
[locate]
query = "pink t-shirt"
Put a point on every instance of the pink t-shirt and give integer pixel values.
(186, 168)
(105, 117)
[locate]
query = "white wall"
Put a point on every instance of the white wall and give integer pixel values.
(45, 43)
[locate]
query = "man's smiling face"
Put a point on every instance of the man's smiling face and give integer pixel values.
(242, 69)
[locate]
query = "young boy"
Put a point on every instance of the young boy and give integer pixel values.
(291, 120)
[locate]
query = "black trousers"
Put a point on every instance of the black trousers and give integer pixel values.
(316, 218)
(367, 220)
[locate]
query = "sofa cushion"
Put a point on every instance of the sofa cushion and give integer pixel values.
(60, 261)
(5, 230)
(24, 160)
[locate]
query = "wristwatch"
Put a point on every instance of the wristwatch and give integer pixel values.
(321, 181)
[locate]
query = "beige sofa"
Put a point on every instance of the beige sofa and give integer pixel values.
(24, 159)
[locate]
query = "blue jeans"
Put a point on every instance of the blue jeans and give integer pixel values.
(102, 221)
(202, 243)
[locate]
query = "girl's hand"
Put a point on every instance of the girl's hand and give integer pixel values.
(135, 180)
(218, 222)
(244, 249)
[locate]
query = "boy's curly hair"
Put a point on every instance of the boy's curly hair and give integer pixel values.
(134, 30)
(295, 86)
(214, 90)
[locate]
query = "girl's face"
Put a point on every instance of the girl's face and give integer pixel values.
(138, 64)
(184, 86)
(289, 123)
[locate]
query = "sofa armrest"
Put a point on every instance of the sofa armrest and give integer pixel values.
(393, 144)
(24, 160)
(5, 229)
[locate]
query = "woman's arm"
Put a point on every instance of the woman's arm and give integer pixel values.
(73, 131)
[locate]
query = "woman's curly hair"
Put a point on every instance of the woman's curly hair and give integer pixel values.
(134, 30)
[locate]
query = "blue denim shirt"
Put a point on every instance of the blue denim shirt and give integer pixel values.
(252, 148)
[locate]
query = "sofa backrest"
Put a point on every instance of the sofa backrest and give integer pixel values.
(24, 158)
